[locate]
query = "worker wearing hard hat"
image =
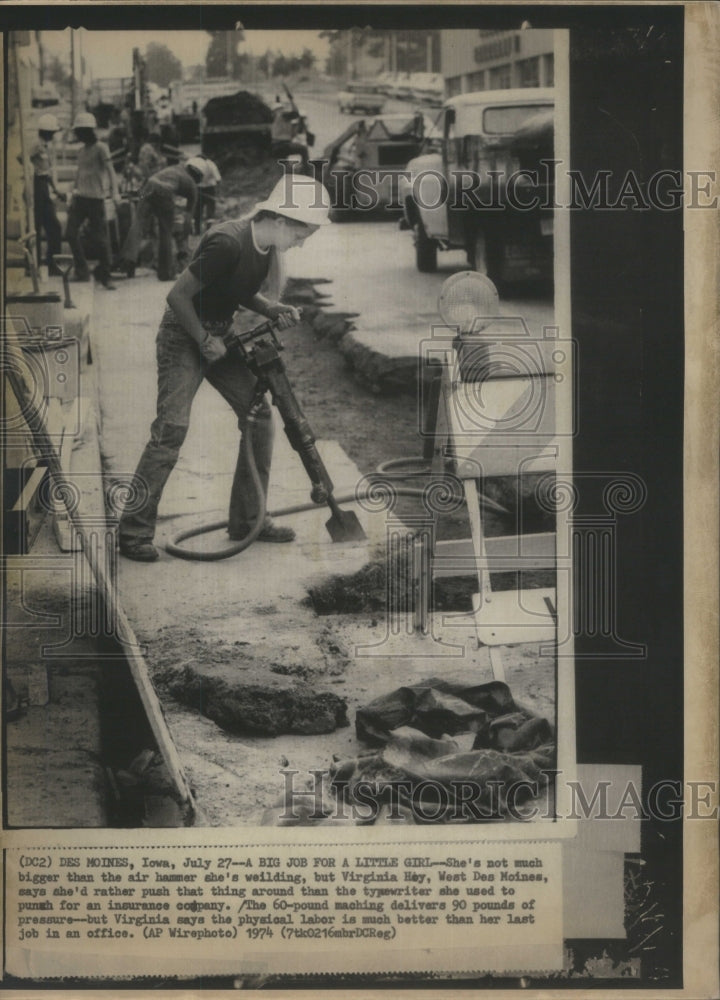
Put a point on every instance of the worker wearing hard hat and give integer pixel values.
(46, 220)
(207, 189)
(286, 140)
(232, 263)
(95, 175)
(157, 198)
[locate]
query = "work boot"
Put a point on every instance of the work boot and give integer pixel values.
(271, 532)
(104, 279)
(82, 276)
(140, 551)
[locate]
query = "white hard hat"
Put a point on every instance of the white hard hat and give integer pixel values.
(299, 198)
(197, 162)
(48, 123)
(204, 167)
(84, 120)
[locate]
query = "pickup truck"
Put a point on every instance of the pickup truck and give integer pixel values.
(468, 187)
(361, 96)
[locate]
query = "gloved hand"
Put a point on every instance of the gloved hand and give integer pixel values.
(213, 348)
(284, 315)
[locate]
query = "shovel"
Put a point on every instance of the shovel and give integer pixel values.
(64, 262)
(344, 525)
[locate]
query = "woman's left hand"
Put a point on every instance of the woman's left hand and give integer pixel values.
(285, 316)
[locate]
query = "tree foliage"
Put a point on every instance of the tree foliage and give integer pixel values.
(223, 58)
(162, 65)
(58, 73)
(410, 47)
(286, 65)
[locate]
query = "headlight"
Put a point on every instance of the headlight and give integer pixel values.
(468, 299)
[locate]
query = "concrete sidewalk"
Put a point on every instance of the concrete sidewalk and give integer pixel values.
(371, 270)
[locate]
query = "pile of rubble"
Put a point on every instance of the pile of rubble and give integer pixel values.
(236, 129)
(242, 108)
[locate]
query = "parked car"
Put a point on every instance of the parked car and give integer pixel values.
(361, 96)
(481, 140)
(403, 92)
(433, 98)
(46, 96)
(427, 88)
(381, 142)
(399, 86)
(384, 81)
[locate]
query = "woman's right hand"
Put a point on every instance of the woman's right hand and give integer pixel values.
(213, 348)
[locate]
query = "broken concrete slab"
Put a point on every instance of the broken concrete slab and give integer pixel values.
(388, 366)
(373, 281)
(276, 705)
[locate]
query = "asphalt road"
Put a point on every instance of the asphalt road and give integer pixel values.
(372, 264)
(327, 122)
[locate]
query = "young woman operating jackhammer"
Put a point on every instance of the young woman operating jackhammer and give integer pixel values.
(227, 271)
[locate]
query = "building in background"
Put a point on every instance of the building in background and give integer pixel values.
(496, 60)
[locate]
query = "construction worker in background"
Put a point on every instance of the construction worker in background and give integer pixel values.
(117, 142)
(46, 220)
(150, 158)
(283, 132)
(94, 174)
(207, 189)
(157, 198)
(303, 135)
(232, 263)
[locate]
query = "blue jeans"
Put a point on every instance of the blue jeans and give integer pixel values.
(92, 210)
(155, 200)
(181, 369)
(46, 219)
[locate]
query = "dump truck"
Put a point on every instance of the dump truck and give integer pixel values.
(236, 128)
(188, 99)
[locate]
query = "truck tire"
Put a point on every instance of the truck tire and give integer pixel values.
(425, 250)
(334, 182)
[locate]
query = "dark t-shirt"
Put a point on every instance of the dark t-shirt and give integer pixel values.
(176, 179)
(230, 268)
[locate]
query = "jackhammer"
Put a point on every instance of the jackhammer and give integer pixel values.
(260, 349)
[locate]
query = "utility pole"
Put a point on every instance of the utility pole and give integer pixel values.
(82, 66)
(72, 74)
(228, 53)
(429, 52)
(41, 57)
